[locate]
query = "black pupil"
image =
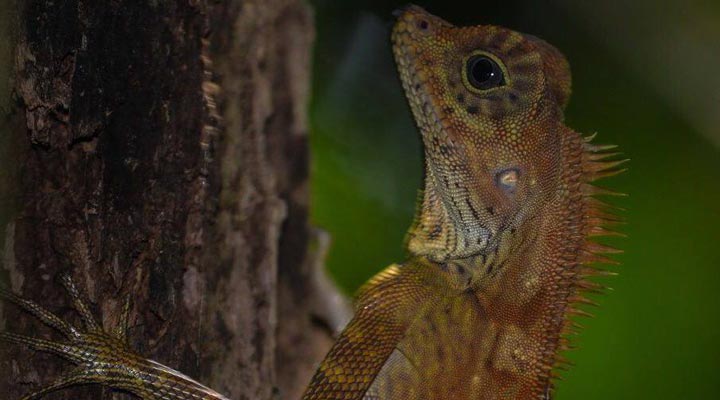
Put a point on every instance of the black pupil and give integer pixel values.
(484, 73)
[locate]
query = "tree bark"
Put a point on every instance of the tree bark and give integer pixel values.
(160, 153)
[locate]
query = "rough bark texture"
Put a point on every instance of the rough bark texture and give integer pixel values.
(162, 154)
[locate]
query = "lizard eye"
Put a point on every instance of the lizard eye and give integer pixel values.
(507, 180)
(483, 72)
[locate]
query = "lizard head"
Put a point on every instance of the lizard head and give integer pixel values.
(489, 103)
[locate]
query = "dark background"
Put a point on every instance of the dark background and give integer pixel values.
(645, 77)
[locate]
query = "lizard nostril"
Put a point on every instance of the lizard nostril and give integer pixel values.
(422, 24)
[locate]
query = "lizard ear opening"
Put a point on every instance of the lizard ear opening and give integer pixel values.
(556, 69)
(507, 180)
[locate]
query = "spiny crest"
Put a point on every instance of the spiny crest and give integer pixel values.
(601, 219)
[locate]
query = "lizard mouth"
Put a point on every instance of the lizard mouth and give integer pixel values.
(413, 24)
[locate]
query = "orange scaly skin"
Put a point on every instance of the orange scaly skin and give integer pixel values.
(498, 254)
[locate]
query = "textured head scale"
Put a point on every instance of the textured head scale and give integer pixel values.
(486, 100)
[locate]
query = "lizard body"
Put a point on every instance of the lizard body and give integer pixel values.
(504, 219)
(498, 252)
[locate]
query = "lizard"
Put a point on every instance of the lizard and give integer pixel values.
(500, 253)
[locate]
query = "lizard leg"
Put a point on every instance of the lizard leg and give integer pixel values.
(103, 357)
(124, 323)
(80, 305)
(64, 350)
(41, 314)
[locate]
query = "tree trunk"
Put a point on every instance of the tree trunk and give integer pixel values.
(159, 151)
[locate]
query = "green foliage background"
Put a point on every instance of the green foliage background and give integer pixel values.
(657, 334)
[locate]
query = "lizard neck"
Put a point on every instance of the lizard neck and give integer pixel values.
(527, 285)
